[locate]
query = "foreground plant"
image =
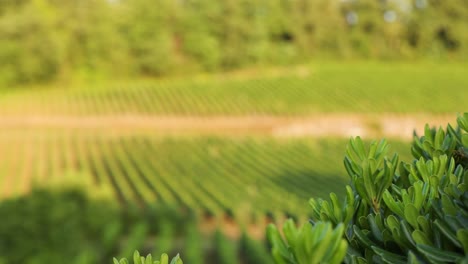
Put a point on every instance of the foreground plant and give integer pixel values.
(137, 259)
(394, 212)
(319, 243)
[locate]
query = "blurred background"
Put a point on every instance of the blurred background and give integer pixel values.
(47, 40)
(186, 126)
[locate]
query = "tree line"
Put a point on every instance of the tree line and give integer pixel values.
(46, 40)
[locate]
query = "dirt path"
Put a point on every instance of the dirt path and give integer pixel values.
(335, 125)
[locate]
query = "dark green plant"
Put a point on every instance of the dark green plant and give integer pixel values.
(394, 212)
(226, 249)
(47, 226)
(254, 251)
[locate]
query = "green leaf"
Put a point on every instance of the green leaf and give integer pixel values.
(389, 257)
(436, 254)
(392, 222)
(337, 213)
(149, 259)
(394, 206)
(363, 238)
(406, 231)
(423, 224)
(349, 166)
(358, 260)
(464, 139)
(277, 256)
(278, 247)
(421, 165)
(462, 122)
(447, 232)
(420, 237)
(136, 257)
(462, 236)
(411, 215)
(358, 147)
(164, 259)
(176, 260)
(376, 233)
(427, 132)
(340, 253)
(290, 232)
(439, 138)
(321, 238)
(349, 204)
(412, 259)
(418, 197)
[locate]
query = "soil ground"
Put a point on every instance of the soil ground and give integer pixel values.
(325, 125)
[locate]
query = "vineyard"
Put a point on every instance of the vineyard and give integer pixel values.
(312, 89)
(219, 176)
(234, 186)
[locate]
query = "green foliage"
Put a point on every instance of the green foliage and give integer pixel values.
(399, 212)
(226, 249)
(194, 246)
(148, 35)
(29, 49)
(50, 225)
(318, 243)
(137, 259)
(370, 171)
(136, 238)
(44, 40)
(254, 251)
(46, 227)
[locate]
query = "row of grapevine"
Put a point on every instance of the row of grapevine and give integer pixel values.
(360, 88)
(238, 177)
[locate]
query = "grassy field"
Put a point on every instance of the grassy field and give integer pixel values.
(311, 89)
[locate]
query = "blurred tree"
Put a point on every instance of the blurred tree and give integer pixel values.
(329, 33)
(148, 31)
(200, 32)
(87, 29)
(29, 49)
(234, 31)
(281, 33)
(256, 38)
(394, 15)
(42, 40)
(365, 22)
(439, 28)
